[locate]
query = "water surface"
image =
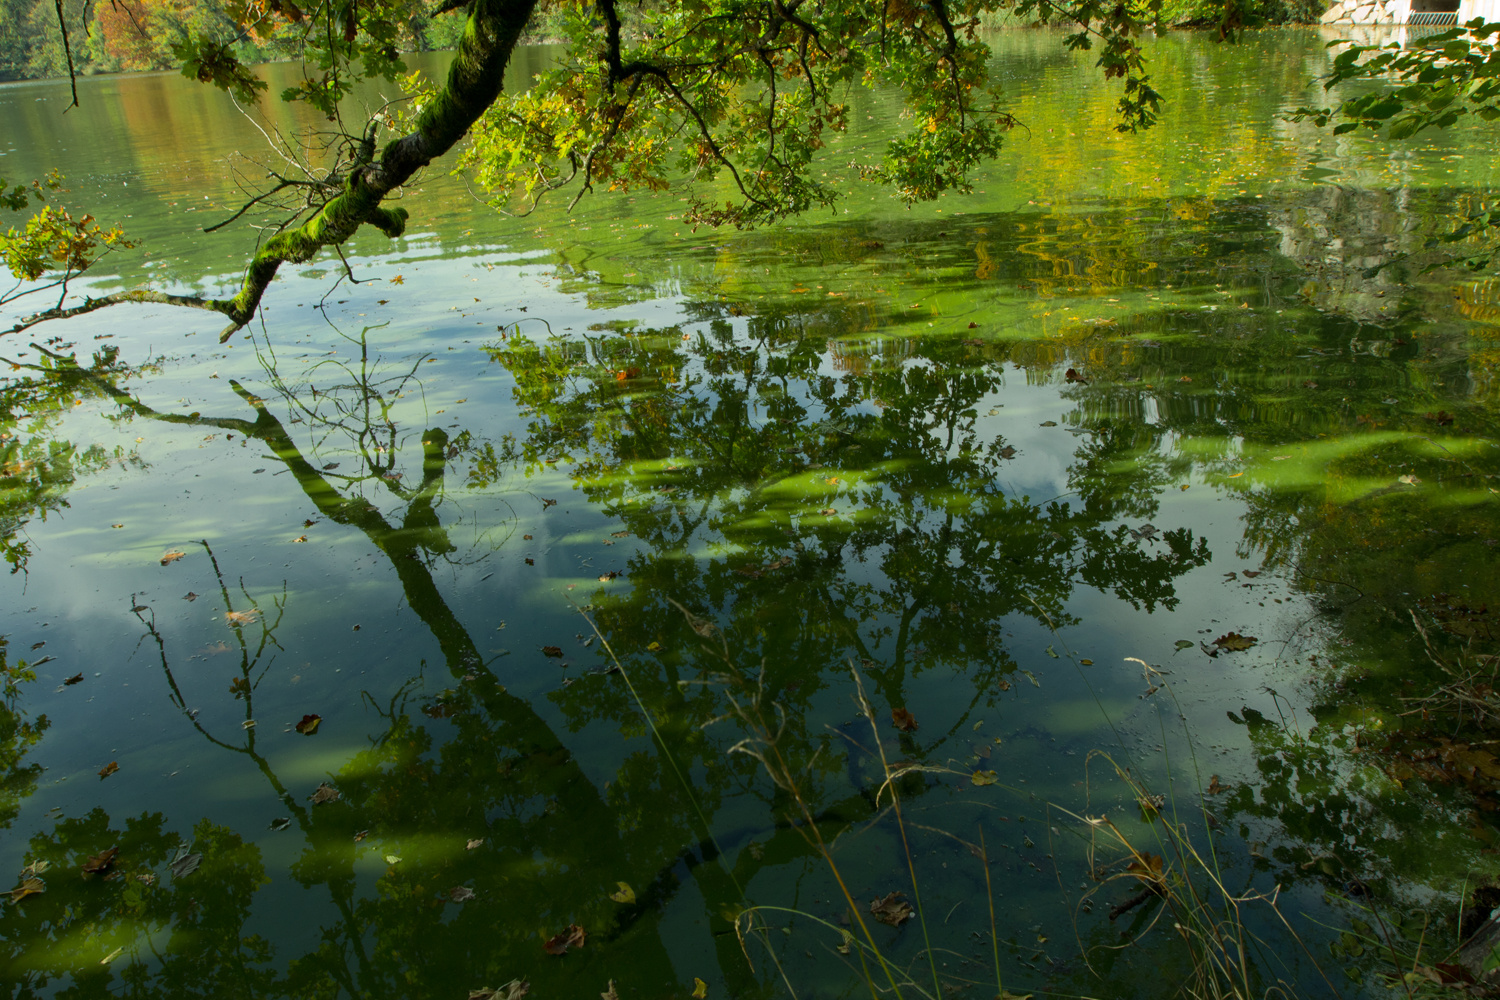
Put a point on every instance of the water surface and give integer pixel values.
(1010, 463)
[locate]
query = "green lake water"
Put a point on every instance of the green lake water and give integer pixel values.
(772, 469)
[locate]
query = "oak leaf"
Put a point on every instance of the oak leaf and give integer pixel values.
(324, 793)
(101, 862)
(308, 725)
(108, 769)
(892, 909)
(1234, 642)
(903, 720)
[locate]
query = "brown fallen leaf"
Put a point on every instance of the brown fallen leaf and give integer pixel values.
(171, 556)
(299, 538)
(28, 887)
(38, 645)
(471, 845)
(513, 990)
(108, 769)
(190, 596)
(1074, 375)
(892, 909)
(460, 894)
(573, 937)
(75, 679)
(828, 511)
(1234, 642)
(324, 793)
(308, 725)
(1147, 867)
(101, 862)
(233, 618)
(1214, 788)
(903, 720)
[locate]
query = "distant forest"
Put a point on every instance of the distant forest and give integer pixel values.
(112, 36)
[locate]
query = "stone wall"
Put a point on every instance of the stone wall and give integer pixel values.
(1367, 12)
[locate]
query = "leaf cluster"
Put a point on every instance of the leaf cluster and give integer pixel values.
(739, 97)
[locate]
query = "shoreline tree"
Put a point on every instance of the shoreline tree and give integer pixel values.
(743, 92)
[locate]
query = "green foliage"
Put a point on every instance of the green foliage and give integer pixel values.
(1241, 13)
(1434, 83)
(741, 99)
(19, 196)
(52, 240)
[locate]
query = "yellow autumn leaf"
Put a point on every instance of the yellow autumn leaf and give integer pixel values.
(700, 988)
(626, 894)
(984, 777)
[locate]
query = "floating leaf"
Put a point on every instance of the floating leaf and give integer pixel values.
(609, 993)
(553, 651)
(1409, 480)
(460, 894)
(471, 845)
(1214, 788)
(398, 280)
(235, 618)
(300, 538)
(185, 865)
(1032, 678)
(891, 909)
(75, 679)
(324, 793)
(393, 859)
(1151, 805)
(111, 956)
(190, 596)
(108, 769)
(1147, 866)
(1234, 642)
(308, 725)
(903, 720)
(700, 989)
(573, 937)
(984, 777)
(1184, 644)
(171, 556)
(513, 990)
(653, 646)
(625, 895)
(29, 887)
(101, 862)
(281, 823)
(828, 511)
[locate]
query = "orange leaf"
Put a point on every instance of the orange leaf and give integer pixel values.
(171, 557)
(108, 769)
(903, 720)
